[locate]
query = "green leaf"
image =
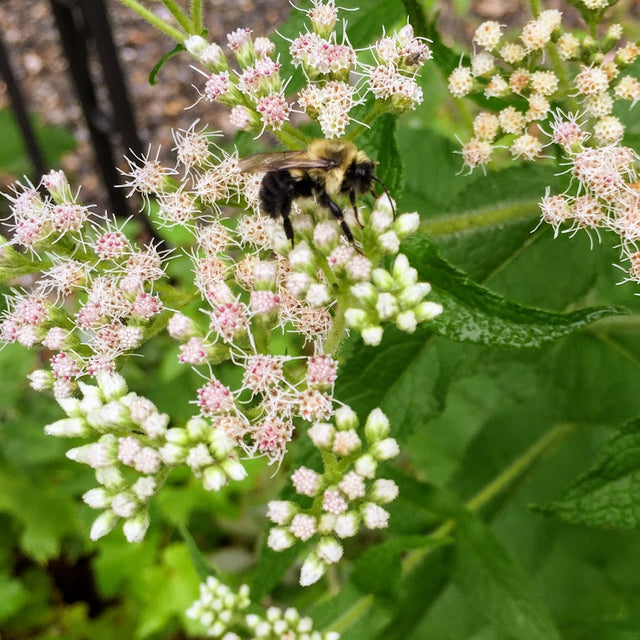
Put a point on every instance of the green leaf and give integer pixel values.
(379, 570)
(45, 515)
(606, 494)
(380, 143)
(475, 314)
(497, 586)
(13, 595)
(55, 141)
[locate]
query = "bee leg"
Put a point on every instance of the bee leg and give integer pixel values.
(354, 204)
(325, 201)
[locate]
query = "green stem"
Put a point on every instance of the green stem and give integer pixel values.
(534, 5)
(514, 472)
(153, 19)
(196, 15)
(479, 218)
(377, 110)
(179, 15)
(338, 329)
(291, 137)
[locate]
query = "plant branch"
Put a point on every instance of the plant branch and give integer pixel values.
(154, 20)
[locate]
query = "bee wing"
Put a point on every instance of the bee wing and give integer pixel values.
(263, 162)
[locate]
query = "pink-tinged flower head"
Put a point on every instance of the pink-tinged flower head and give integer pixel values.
(476, 153)
(566, 132)
(64, 277)
(314, 405)
(555, 210)
(271, 437)
(64, 366)
(238, 39)
(274, 110)
(146, 264)
(56, 183)
(31, 310)
(180, 326)
(90, 314)
(30, 231)
(264, 302)
(176, 208)
(111, 244)
(241, 118)
(192, 146)
(261, 79)
(215, 399)
(229, 320)
(333, 502)
(303, 526)
(68, 216)
(353, 486)
(306, 481)
(145, 306)
(56, 339)
(262, 372)
(323, 16)
(217, 86)
(193, 352)
(322, 371)
(146, 174)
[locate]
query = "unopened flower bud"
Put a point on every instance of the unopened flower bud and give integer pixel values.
(389, 242)
(321, 434)
(40, 380)
(220, 444)
(372, 336)
(345, 418)
(385, 449)
(234, 469)
(411, 295)
(427, 311)
(329, 550)
(406, 224)
(111, 477)
(365, 293)
(103, 525)
(68, 428)
(97, 498)
(346, 525)
(312, 570)
(135, 528)
(173, 454)
(376, 427)
(112, 385)
(198, 429)
(406, 321)
(383, 280)
(383, 491)
(214, 478)
(280, 539)
(366, 466)
(281, 511)
(357, 318)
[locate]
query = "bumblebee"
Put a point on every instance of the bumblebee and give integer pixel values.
(325, 170)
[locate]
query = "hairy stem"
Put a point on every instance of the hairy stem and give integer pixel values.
(154, 20)
(179, 15)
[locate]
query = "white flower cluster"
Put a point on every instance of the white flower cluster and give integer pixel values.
(515, 70)
(131, 439)
(345, 500)
(94, 298)
(255, 93)
(219, 609)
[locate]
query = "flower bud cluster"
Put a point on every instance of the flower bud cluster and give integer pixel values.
(94, 298)
(219, 609)
(515, 70)
(132, 451)
(347, 496)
